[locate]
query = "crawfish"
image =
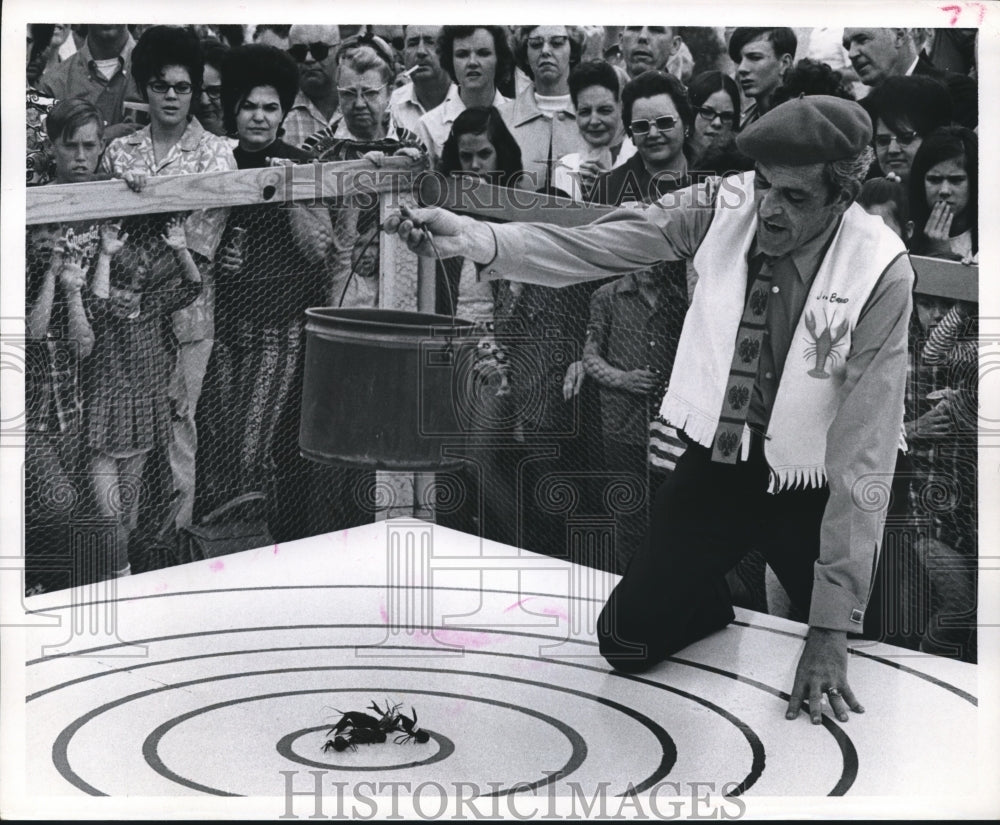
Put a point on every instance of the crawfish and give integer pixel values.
(824, 345)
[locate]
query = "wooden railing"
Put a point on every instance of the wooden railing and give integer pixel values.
(307, 183)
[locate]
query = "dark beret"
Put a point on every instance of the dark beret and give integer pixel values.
(810, 129)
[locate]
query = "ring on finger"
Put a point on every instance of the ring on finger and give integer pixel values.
(833, 693)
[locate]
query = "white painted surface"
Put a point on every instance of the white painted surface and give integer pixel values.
(228, 658)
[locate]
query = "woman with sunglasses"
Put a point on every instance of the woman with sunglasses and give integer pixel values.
(478, 59)
(630, 370)
(711, 146)
(167, 67)
(658, 118)
(903, 110)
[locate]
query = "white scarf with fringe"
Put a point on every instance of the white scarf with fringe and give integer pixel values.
(808, 394)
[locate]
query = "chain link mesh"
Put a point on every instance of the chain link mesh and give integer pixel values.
(555, 411)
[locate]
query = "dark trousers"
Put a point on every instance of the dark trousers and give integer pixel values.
(705, 518)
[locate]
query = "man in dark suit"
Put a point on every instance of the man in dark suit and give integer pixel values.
(880, 53)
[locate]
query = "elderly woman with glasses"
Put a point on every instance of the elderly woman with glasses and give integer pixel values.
(364, 83)
(167, 67)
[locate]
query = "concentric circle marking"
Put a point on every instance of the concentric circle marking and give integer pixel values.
(521, 593)
(60, 748)
(848, 751)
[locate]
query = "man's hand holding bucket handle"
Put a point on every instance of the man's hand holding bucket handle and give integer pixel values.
(438, 233)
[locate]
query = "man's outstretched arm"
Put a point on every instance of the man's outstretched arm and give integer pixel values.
(626, 240)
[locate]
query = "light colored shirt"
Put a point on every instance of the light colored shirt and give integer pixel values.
(565, 175)
(78, 76)
(406, 108)
(197, 151)
(434, 127)
(543, 138)
(863, 439)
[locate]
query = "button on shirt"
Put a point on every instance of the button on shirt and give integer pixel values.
(78, 77)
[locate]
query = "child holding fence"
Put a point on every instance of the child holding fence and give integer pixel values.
(135, 288)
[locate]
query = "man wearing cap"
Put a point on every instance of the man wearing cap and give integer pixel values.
(787, 384)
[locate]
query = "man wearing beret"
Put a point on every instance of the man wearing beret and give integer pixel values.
(787, 384)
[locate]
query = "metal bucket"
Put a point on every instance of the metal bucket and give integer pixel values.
(380, 387)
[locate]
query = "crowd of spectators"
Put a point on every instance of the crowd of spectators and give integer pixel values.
(133, 323)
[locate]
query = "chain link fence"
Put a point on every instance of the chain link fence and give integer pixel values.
(558, 437)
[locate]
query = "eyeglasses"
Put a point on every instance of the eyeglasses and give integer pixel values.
(710, 114)
(161, 87)
(664, 123)
(351, 95)
(319, 51)
(555, 42)
(214, 92)
(902, 139)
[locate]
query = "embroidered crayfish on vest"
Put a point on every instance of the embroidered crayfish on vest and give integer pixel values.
(823, 345)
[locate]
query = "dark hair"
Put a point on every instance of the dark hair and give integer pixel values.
(162, 46)
(480, 120)
(705, 45)
(810, 77)
(946, 143)
(234, 35)
(505, 57)
(920, 101)
(279, 30)
(877, 191)
(70, 114)
(247, 67)
(707, 84)
(783, 41)
(41, 38)
(213, 52)
(650, 84)
(593, 73)
(521, 46)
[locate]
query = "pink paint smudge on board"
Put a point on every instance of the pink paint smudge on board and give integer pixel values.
(443, 637)
(276, 549)
(546, 611)
(216, 566)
